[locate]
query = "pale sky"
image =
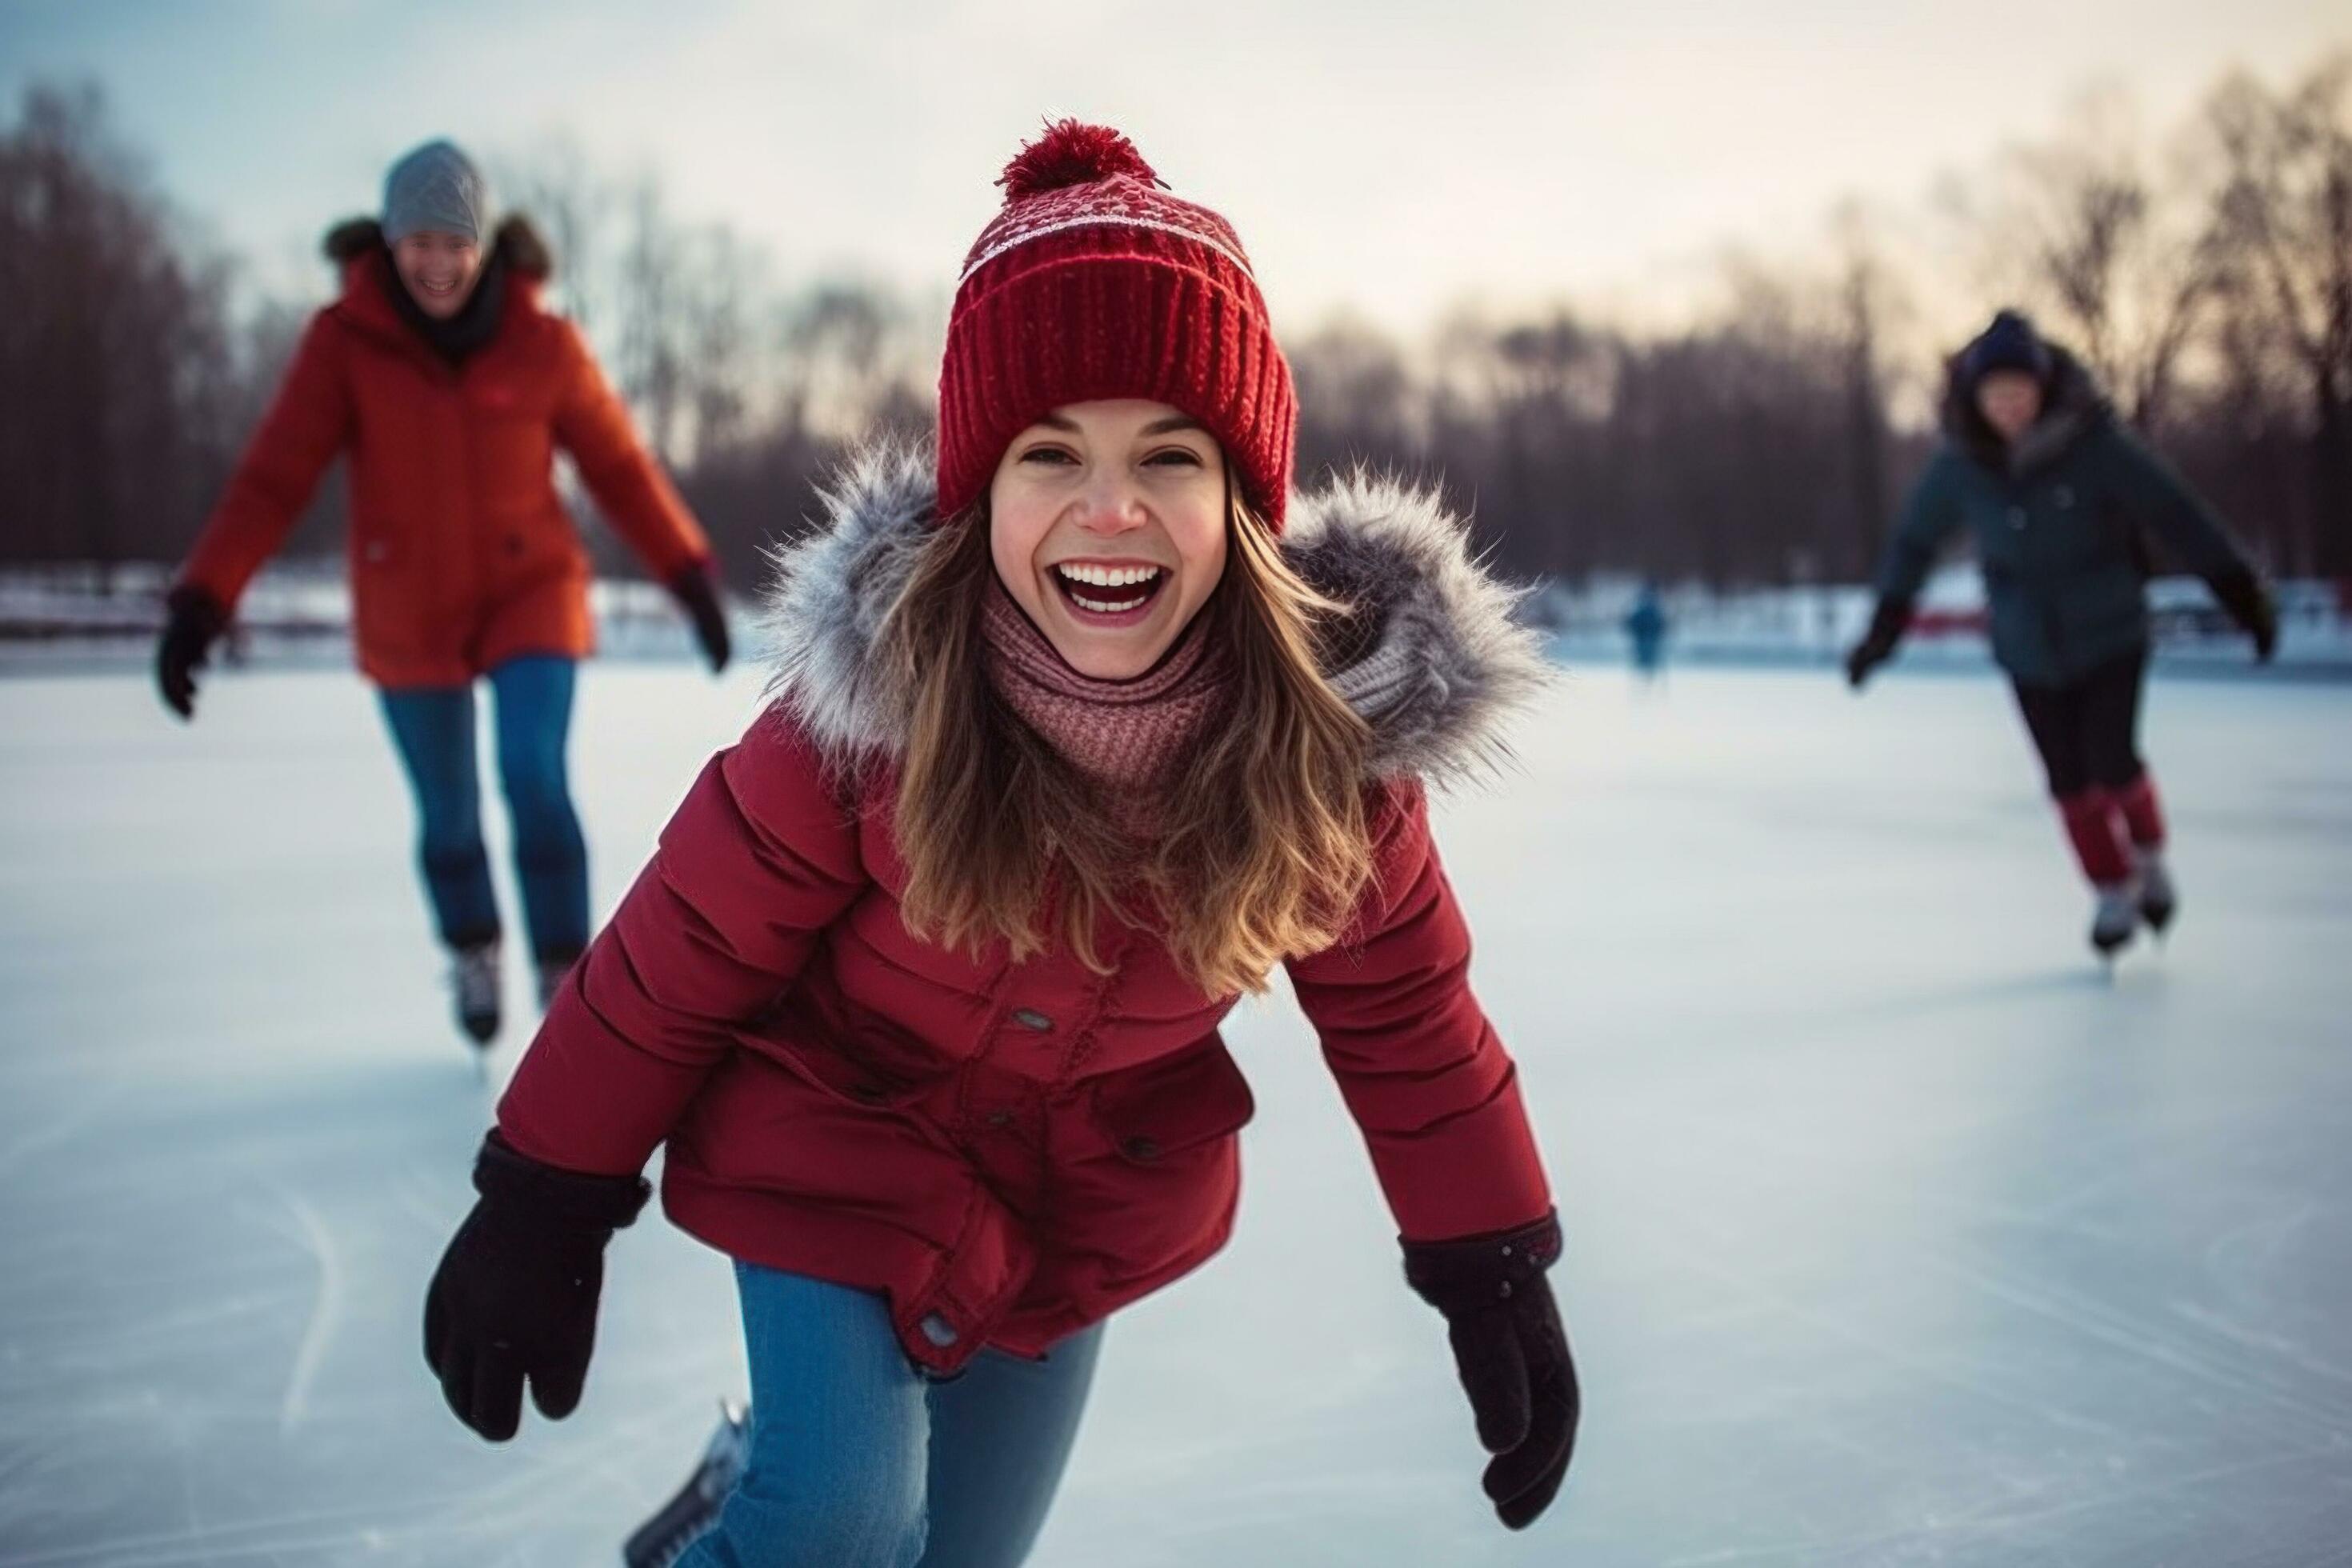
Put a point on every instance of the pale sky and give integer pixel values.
(1389, 158)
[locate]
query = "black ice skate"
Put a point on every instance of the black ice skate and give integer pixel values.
(474, 978)
(663, 1538)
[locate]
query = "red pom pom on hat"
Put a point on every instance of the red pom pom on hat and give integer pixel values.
(1073, 153)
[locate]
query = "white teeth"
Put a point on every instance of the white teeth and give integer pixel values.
(1108, 576)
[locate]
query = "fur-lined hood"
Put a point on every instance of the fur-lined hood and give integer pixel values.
(1437, 669)
(516, 238)
(2071, 407)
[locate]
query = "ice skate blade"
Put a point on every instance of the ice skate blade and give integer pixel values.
(662, 1539)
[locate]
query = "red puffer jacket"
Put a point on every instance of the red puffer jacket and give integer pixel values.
(1012, 1150)
(461, 554)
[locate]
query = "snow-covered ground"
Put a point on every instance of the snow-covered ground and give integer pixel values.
(1896, 1234)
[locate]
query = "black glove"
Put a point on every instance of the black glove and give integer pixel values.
(196, 620)
(1512, 1353)
(1888, 624)
(2250, 606)
(515, 1296)
(697, 591)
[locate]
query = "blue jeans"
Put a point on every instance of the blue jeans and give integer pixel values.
(859, 1461)
(434, 728)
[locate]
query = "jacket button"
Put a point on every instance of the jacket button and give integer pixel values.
(514, 543)
(2017, 517)
(1030, 1018)
(939, 1330)
(1000, 1119)
(1145, 1148)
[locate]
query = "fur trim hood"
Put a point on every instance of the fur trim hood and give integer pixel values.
(1436, 667)
(516, 238)
(2071, 407)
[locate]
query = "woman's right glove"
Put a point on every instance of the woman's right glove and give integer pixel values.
(196, 620)
(515, 1296)
(1512, 1354)
(1888, 625)
(2250, 606)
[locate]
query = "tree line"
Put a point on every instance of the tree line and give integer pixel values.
(2204, 274)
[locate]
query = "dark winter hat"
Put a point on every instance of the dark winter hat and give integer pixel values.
(1093, 282)
(2008, 344)
(436, 187)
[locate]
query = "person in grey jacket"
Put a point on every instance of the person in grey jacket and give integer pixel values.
(2058, 497)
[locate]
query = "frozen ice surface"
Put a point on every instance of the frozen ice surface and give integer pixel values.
(1896, 1234)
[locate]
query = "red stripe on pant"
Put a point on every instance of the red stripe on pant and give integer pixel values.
(2143, 815)
(2095, 827)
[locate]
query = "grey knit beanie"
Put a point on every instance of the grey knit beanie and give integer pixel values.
(436, 188)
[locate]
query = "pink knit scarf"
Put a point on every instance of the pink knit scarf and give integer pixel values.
(1127, 737)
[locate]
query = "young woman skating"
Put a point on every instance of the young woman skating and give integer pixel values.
(1081, 725)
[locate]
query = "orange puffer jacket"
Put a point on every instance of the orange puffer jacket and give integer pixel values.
(462, 555)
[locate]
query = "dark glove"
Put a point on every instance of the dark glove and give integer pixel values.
(1888, 624)
(2250, 606)
(196, 620)
(515, 1296)
(1512, 1353)
(697, 591)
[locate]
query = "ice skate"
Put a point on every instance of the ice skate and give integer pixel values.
(2114, 917)
(2159, 899)
(553, 968)
(474, 979)
(664, 1538)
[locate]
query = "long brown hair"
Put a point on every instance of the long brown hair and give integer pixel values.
(1260, 849)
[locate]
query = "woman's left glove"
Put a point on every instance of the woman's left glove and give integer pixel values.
(515, 1296)
(696, 588)
(1512, 1353)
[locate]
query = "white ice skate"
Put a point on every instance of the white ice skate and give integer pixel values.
(2159, 899)
(2114, 917)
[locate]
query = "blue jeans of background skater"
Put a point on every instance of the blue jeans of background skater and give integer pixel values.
(434, 728)
(857, 1458)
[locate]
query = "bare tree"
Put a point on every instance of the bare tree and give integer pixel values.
(2284, 220)
(652, 319)
(573, 208)
(2118, 262)
(115, 329)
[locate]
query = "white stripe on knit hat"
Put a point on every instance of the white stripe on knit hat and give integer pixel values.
(1024, 235)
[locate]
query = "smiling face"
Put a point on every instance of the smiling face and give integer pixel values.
(438, 271)
(1106, 524)
(2010, 401)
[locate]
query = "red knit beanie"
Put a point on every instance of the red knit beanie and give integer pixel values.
(1094, 283)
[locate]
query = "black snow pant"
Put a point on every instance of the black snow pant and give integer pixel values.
(2088, 732)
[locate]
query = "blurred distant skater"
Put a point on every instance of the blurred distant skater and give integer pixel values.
(1645, 626)
(448, 386)
(2057, 493)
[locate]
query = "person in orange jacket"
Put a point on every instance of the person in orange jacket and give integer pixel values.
(449, 386)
